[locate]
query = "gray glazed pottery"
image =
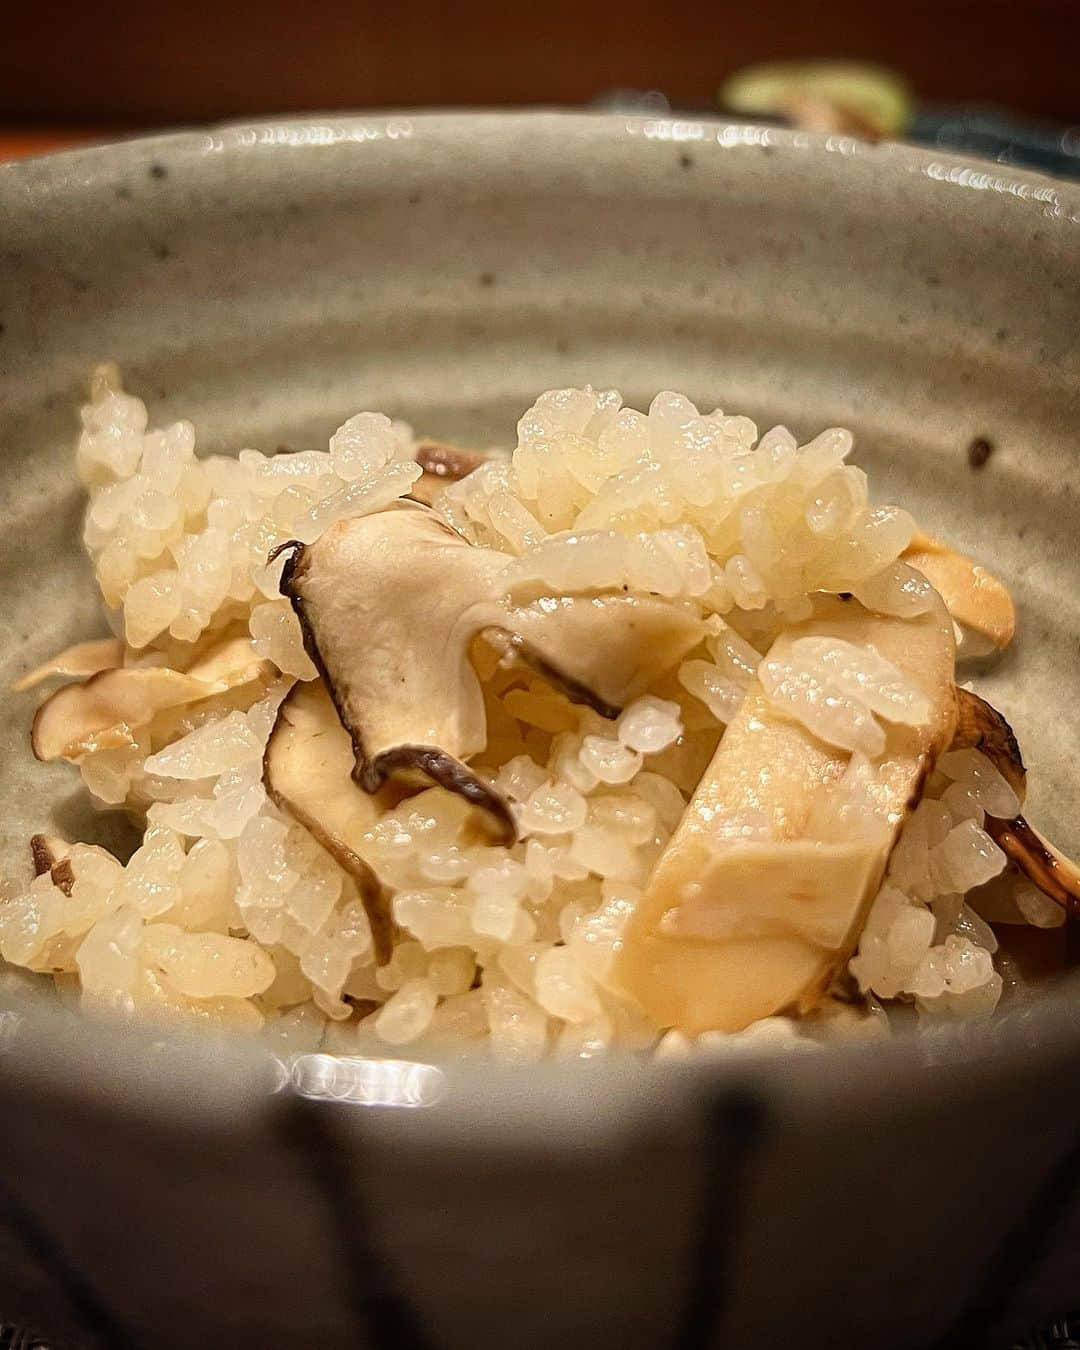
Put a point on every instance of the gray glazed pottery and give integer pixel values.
(268, 280)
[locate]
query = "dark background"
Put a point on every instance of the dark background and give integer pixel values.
(146, 63)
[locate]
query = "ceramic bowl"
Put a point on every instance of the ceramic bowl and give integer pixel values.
(268, 280)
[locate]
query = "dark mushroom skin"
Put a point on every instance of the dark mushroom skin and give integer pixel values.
(442, 464)
(407, 760)
(435, 766)
(1043, 865)
(389, 604)
(575, 690)
(981, 727)
(289, 787)
(44, 855)
(41, 854)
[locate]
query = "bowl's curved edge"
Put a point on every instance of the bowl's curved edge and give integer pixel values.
(78, 165)
(1039, 1033)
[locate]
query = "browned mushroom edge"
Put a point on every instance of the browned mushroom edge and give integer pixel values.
(447, 772)
(370, 773)
(1054, 874)
(48, 708)
(373, 895)
(577, 692)
(292, 572)
(981, 727)
(45, 860)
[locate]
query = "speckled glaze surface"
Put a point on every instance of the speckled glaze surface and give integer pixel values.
(267, 281)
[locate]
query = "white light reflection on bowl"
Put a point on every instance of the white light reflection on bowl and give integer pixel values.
(984, 180)
(299, 134)
(367, 1082)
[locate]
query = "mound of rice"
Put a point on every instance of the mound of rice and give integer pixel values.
(229, 912)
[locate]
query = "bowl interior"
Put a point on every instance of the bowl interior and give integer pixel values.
(267, 281)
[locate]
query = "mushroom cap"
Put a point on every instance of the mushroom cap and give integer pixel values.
(442, 463)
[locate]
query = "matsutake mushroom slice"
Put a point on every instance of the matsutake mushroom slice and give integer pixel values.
(389, 604)
(83, 659)
(981, 727)
(307, 769)
(975, 598)
(761, 893)
(600, 650)
(104, 711)
(233, 663)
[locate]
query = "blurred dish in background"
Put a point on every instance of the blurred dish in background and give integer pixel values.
(828, 96)
(873, 102)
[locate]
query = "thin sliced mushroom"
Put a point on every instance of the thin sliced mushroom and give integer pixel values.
(602, 651)
(307, 773)
(233, 663)
(105, 711)
(1045, 866)
(981, 727)
(757, 902)
(389, 604)
(976, 599)
(102, 712)
(83, 659)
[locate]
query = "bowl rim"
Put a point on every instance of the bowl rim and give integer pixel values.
(1041, 191)
(1045, 1032)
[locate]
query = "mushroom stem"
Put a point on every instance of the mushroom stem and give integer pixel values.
(760, 894)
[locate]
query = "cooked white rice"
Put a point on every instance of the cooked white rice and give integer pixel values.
(231, 913)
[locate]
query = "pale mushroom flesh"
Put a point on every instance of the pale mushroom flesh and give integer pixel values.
(979, 603)
(106, 710)
(389, 604)
(307, 773)
(83, 659)
(699, 953)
